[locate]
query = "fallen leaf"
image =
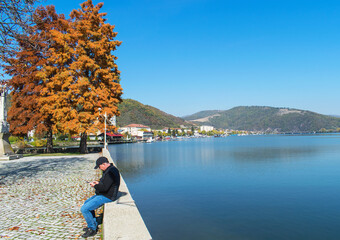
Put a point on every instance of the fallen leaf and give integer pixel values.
(16, 228)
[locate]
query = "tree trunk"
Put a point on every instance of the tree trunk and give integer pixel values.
(83, 143)
(49, 144)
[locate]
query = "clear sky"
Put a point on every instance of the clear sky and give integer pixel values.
(185, 56)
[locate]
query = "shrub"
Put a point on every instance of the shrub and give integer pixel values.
(39, 143)
(13, 139)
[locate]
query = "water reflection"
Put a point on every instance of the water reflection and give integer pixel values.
(136, 159)
(133, 159)
(265, 187)
(269, 154)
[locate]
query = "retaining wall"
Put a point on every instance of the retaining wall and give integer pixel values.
(122, 219)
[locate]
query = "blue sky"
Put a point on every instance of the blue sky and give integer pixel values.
(185, 56)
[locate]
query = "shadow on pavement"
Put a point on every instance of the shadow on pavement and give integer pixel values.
(30, 168)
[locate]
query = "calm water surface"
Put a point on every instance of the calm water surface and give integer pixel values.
(251, 187)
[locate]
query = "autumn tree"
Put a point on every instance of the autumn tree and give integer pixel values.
(24, 114)
(83, 83)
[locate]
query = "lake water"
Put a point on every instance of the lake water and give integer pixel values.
(237, 188)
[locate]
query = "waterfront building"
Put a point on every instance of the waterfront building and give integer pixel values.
(206, 128)
(133, 129)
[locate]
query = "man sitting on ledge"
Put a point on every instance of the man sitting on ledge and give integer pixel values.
(106, 191)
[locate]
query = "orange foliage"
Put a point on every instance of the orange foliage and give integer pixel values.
(85, 81)
(24, 114)
(72, 80)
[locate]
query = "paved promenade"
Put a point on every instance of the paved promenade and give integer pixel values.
(40, 197)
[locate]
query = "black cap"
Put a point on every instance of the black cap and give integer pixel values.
(100, 161)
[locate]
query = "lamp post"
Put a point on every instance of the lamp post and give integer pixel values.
(112, 121)
(105, 145)
(105, 116)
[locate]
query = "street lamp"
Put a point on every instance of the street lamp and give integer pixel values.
(112, 121)
(105, 116)
(105, 145)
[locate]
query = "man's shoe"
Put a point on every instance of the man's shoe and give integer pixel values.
(87, 228)
(89, 233)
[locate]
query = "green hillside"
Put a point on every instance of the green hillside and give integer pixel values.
(135, 112)
(270, 119)
(254, 118)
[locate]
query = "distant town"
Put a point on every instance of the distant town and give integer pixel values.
(142, 133)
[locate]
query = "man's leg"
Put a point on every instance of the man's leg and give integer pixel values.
(93, 212)
(89, 199)
(88, 209)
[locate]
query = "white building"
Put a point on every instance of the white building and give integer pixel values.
(133, 129)
(147, 136)
(206, 128)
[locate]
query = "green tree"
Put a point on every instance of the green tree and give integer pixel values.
(174, 133)
(323, 130)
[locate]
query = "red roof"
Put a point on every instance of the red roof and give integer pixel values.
(114, 135)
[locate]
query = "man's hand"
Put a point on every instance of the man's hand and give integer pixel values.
(92, 184)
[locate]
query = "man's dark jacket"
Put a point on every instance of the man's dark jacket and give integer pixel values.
(109, 183)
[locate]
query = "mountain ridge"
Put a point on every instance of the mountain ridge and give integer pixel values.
(250, 118)
(265, 118)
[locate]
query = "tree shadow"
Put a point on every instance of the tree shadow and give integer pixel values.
(27, 169)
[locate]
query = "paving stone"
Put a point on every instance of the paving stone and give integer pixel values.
(40, 197)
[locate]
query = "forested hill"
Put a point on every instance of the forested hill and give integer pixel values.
(133, 111)
(256, 118)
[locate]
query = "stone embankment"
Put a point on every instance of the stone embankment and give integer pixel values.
(40, 197)
(122, 220)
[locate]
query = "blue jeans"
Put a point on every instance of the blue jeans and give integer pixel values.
(88, 208)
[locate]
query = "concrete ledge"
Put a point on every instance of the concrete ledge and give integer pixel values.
(122, 219)
(10, 157)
